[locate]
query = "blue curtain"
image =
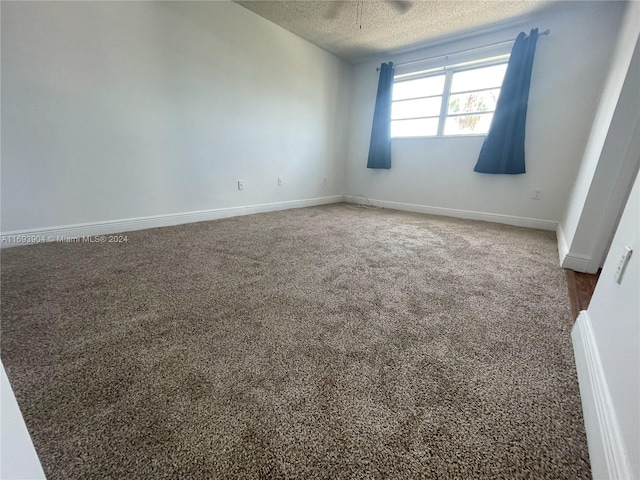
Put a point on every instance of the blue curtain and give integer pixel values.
(380, 145)
(503, 147)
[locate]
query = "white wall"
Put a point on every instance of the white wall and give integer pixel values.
(116, 110)
(608, 357)
(569, 72)
(606, 170)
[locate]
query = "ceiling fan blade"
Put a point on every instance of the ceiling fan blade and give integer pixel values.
(402, 6)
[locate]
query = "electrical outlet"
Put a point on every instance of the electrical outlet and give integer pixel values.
(622, 264)
(537, 195)
(280, 181)
(326, 182)
(240, 184)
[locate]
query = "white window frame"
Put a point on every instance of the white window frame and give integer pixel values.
(449, 71)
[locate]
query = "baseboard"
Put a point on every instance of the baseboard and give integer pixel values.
(50, 234)
(468, 214)
(607, 451)
(577, 263)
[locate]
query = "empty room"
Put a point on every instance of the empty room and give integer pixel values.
(387, 239)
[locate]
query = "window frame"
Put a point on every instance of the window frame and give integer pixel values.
(448, 72)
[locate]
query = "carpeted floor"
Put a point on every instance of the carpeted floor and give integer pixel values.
(328, 342)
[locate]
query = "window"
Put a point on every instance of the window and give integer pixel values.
(447, 101)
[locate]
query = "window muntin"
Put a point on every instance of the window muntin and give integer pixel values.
(418, 88)
(467, 124)
(416, 108)
(477, 101)
(466, 95)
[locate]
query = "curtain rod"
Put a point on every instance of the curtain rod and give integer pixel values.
(546, 32)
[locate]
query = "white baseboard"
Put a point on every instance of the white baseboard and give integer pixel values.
(468, 214)
(40, 235)
(607, 451)
(578, 263)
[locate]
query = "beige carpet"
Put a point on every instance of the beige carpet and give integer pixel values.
(329, 342)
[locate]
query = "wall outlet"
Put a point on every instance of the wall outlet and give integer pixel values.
(326, 182)
(240, 184)
(622, 264)
(537, 195)
(280, 181)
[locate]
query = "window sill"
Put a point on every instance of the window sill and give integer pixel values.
(472, 135)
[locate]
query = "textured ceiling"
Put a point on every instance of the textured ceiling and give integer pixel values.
(335, 25)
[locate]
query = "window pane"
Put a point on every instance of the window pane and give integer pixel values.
(474, 101)
(468, 124)
(421, 87)
(414, 128)
(424, 107)
(478, 78)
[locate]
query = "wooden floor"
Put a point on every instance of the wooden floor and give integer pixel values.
(581, 287)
